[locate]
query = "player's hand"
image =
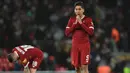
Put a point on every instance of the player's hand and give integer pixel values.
(75, 22)
(78, 19)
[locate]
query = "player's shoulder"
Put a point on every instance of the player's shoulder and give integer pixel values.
(88, 18)
(15, 48)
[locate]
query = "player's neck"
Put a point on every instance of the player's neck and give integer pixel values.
(82, 16)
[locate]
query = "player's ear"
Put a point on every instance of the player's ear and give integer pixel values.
(10, 58)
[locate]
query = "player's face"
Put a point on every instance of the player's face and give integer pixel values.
(78, 10)
(15, 57)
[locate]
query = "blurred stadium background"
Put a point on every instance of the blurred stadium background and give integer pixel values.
(42, 23)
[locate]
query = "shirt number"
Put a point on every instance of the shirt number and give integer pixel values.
(87, 58)
(26, 47)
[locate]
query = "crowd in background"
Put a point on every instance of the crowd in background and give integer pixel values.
(42, 23)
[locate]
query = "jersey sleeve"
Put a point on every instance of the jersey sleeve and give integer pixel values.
(70, 27)
(14, 50)
(88, 26)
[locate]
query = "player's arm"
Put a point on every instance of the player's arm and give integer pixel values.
(88, 26)
(70, 27)
(25, 62)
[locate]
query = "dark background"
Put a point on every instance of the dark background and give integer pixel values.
(42, 23)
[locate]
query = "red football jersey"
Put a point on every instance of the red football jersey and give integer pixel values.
(80, 52)
(80, 32)
(27, 54)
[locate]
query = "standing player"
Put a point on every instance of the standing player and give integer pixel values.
(29, 56)
(81, 27)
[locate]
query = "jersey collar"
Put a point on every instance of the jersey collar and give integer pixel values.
(82, 16)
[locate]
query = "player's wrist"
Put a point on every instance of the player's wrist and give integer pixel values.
(80, 22)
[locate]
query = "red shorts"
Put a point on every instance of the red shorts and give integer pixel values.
(35, 63)
(80, 54)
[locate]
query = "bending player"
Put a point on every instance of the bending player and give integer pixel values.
(81, 27)
(29, 56)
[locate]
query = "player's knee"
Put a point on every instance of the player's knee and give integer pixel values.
(33, 70)
(84, 67)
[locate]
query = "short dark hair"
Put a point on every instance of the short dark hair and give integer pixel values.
(10, 58)
(79, 3)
